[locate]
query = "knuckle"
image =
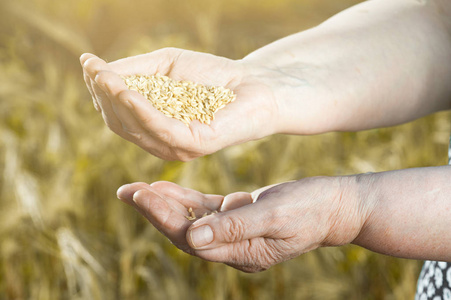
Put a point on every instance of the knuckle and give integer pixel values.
(233, 229)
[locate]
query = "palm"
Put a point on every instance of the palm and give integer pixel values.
(167, 206)
(241, 119)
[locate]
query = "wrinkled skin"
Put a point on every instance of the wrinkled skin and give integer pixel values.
(285, 221)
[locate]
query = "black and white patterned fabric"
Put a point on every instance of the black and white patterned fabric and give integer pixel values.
(435, 281)
(435, 277)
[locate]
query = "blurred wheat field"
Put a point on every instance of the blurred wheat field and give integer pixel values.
(63, 233)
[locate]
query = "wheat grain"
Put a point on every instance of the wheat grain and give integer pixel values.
(192, 216)
(181, 100)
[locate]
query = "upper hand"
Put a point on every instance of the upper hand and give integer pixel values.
(285, 221)
(251, 116)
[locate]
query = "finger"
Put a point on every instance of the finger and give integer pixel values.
(89, 85)
(92, 67)
(235, 200)
(125, 192)
(93, 64)
(85, 56)
(188, 198)
(180, 64)
(159, 61)
(234, 226)
(113, 86)
(170, 131)
(163, 216)
(199, 202)
(87, 80)
(132, 128)
(251, 256)
(256, 194)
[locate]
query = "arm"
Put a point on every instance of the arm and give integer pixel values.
(379, 63)
(411, 217)
(404, 213)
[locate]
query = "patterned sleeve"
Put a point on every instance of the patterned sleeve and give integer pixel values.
(435, 277)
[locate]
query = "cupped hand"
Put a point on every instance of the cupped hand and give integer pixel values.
(251, 116)
(167, 206)
(253, 231)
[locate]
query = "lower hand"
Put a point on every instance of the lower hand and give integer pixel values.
(285, 220)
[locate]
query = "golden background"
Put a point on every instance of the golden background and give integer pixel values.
(63, 233)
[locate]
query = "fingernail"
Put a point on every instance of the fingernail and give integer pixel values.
(201, 236)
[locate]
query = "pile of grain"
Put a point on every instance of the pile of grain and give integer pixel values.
(182, 100)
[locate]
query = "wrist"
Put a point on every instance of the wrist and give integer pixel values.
(288, 92)
(367, 195)
(351, 211)
(310, 95)
(268, 115)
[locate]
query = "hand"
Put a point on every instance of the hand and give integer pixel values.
(285, 221)
(251, 116)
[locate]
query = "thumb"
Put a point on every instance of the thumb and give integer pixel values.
(233, 226)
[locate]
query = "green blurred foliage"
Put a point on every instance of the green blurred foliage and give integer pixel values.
(63, 233)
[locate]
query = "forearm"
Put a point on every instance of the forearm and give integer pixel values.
(411, 213)
(377, 64)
